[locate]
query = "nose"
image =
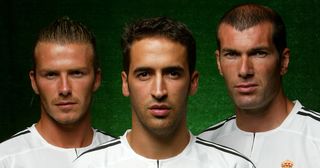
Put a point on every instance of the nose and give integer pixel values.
(159, 90)
(64, 86)
(246, 67)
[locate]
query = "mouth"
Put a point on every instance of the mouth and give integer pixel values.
(246, 88)
(65, 105)
(160, 110)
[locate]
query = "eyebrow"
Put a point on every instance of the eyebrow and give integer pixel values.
(251, 50)
(260, 48)
(173, 68)
(166, 69)
(140, 69)
(230, 50)
(227, 50)
(68, 70)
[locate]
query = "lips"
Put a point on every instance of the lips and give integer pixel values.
(65, 105)
(246, 88)
(159, 110)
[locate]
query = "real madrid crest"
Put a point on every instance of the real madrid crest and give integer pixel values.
(287, 164)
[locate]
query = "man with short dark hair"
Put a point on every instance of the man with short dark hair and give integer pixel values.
(252, 56)
(158, 76)
(65, 76)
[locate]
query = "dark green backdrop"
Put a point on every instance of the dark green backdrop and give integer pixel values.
(22, 19)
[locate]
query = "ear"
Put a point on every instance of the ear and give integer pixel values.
(32, 76)
(285, 59)
(217, 53)
(125, 86)
(194, 83)
(97, 80)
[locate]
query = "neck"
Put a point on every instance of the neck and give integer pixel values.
(66, 136)
(158, 147)
(265, 118)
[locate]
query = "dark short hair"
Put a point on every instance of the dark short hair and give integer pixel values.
(244, 16)
(159, 26)
(64, 31)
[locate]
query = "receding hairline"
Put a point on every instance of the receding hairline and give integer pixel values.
(36, 50)
(218, 34)
(63, 44)
(241, 30)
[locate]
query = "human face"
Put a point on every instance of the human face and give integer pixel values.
(158, 83)
(64, 78)
(251, 65)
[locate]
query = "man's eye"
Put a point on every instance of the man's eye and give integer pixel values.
(260, 54)
(230, 54)
(50, 75)
(143, 75)
(77, 74)
(174, 74)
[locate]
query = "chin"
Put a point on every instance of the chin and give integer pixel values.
(163, 130)
(247, 105)
(68, 121)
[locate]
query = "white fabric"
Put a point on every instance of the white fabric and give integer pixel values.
(297, 139)
(27, 149)
(197, 154)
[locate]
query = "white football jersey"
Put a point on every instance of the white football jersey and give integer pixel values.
(197, 154)
(28, 149)
(295, 143)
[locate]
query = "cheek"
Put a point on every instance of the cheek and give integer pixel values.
(230, 75)
(179, 90)
(139, 90)
(272, 78)
(47, 90)
(228, 68)
(83, 88)
(269, 72)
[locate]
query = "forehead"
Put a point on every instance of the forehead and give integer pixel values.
(54, 55)
(157, 52)
(260, 34)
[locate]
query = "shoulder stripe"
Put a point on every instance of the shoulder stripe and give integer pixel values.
(102, 132)
(222, 148)
(306, 109)
(311, 114)
(103, 146)
(18, 134)
(21, 133)
(311, 111)
(214, 127)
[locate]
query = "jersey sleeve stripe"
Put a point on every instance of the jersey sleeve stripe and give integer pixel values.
(306, 109)
(18, 134)
(222, 148)
(311, 114)
(21, 133)
(103, 146)
(214, 127)
(102, 132)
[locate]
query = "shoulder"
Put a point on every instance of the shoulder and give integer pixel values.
(17, 143)
(306, 121)
(102, 136)
(97, 156)
(309, 115)
(212, 147)
(218, 129)
(221, 153)
(102, 148)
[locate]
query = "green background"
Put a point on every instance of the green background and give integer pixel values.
(22, 19)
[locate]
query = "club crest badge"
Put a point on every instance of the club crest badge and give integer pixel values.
(287, 164)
